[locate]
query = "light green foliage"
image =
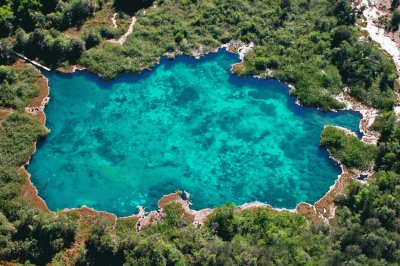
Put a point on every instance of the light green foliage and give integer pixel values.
(348, 149)
(16, 89)
(18, 132)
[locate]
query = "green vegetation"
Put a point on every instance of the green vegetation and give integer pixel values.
(31, 14)
(313, 45)
(348, 149)
(363, 232)
(395, 21)
(17, 87)
(310, 44)
(54, 48)
(38, 25)
(230, 238)
(26, 234)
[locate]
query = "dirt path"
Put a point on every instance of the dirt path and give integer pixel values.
(114, 20)
(123, 38)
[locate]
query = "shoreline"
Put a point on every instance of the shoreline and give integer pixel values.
(323, 209)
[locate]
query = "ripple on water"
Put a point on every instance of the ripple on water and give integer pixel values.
(187, 124)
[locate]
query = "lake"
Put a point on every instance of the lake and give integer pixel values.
(188, 125)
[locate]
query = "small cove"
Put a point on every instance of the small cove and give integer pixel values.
(186, 124)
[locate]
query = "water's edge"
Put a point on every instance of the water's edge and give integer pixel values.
(322, 209)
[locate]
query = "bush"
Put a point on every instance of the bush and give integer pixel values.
(5, 51)
(260, 63)
(343, 33)
(91, 38)
(7, 74)
(395, 20)
(75, 12)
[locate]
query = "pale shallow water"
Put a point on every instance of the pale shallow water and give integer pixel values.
(187, 124)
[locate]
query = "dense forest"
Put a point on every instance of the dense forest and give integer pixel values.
(312, 44)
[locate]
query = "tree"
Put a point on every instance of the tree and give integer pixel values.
(77, 48)
(343, 33)
(25, 11)
(76, 11)
(222, 222)
(6, 20)
(395, 21)
(344, 13)
(21, 39)
(36, 42)
(7, 74)
(5, 50)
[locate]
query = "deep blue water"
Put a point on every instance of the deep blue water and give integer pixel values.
(187, 124)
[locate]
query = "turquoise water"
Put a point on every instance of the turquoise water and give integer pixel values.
(187, 124)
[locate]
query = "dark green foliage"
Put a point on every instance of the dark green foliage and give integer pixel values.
(395, 21)
(395, 4)
(75, 12)
(50, 46)
(7, 74)
(101, 249)
(27, 12)
(344, 12)
(222, 222)
(91, 38)
(389, 146)
(348, 149)
(343, 33)
(31, 14)
(367, 221)
(5, 51)
(259, 235)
